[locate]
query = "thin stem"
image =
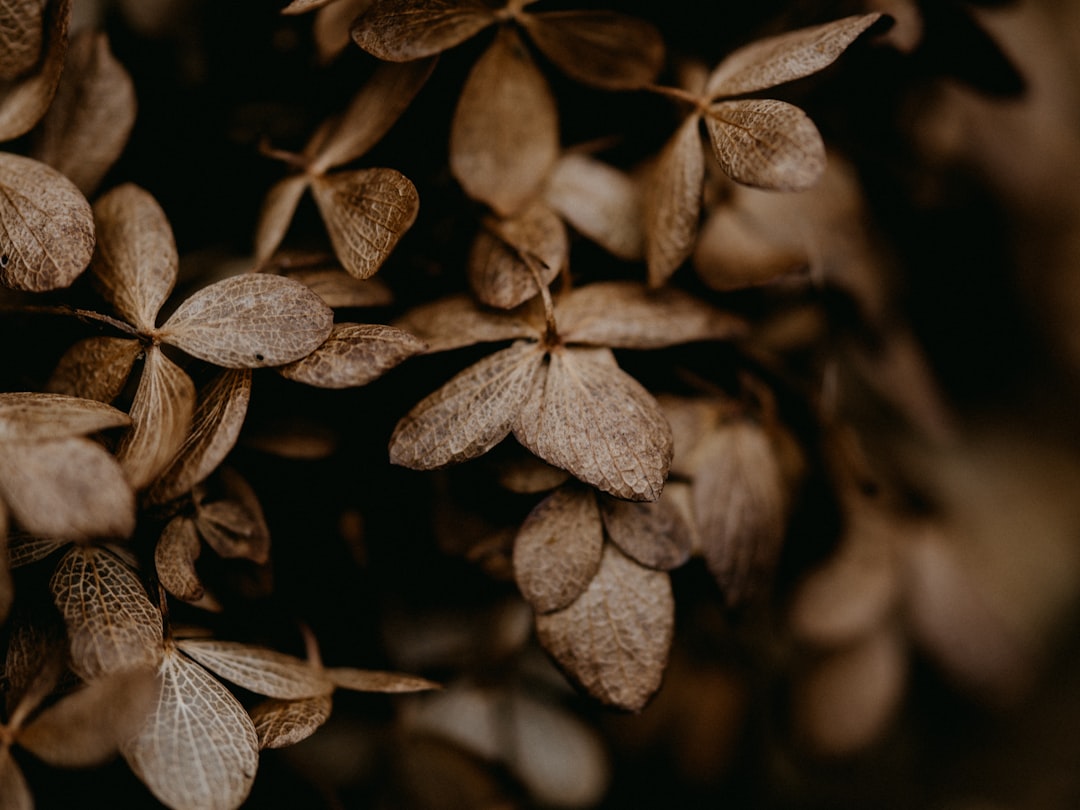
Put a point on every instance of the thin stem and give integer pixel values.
(289, 158)
(86, 315)
(678, 94)
(551, 338)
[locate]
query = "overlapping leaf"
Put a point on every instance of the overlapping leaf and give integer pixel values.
(25, 97)
(354, 354)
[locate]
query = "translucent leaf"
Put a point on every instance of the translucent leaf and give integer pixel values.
(198, 749)
(370, 680)
(95, 368)
(528, 475)
(35, 643)
(112, 625)
(46, 226)
(614, 640)
(601, 48)
(673, 202)
(24, 101)
(503, 250)
(88, 123)
(654, 534)
(21, 36)
(250, 321)
(66, 488)
(23, 549)
(585, 415)
(627, 315)
(258, 669)
(403, 30)
(161, 417)
(366, 212)
(457, 321)
(504, 138)
(354, 354)
(281, 723)
(331, 29)
(470, 414)
(600, 202)
(339, 289)
(766, 143)
(14, 792)
(785, 57)
(557, 549)
(276, 214)
(233, 525)
(174, 559)
(27, 416)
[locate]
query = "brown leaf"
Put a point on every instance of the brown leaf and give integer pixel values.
(276, 214)
(339, 289)
(369, 680)
(504, 250)
(14, 792)
(174, 559)
(36, 647)
(66, 488)
(161, 417)
(258, 669)
(198, 749)
(281, 723)
(330, 31)
(366, 212)
(504, 138)
(585, 415)
(27, 416)
(691, 420)
(46, 226)
(601, 48)
(7, 587)
(528, 475)
(470, 414)
(95, 368)
(24, 549)
(600, 202)
(88, 123)
(783, 58)
(766, 143)
(672, 203)
(614, 640)
(654, 534)
(304, 6)
(557, 550)
(250, 321)
(233, 526)
(24, 101)
(354, 354)
(733, 251)
(458, 321)
(112, 625)
(21, 36)
(628, 315)
(403, 30)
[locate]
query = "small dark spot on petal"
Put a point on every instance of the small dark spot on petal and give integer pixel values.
(259, 357)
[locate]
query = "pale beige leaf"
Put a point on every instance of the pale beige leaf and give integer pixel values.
(331, 27)
(198, 749)
(27, 416)
(95, 368)
(66, 488)
(602, 48)
(785, 57)
(339, 289)
(458, 321)
(628, 315)
(587, 416)
(219, 415)
(528, 475)
(614, 640)
(258, 669)
(654, 534)
(691, 420)
(304, 6)
(21, 36)
(600, 202)
(366, 213)
(24, 549)
(88, 123)
(403, 30)
(161, 418)
(281, 723)
(276, 214)
(24, 101)
(766, 144)
(174, 559)
(370, 680)
(234, 525)
(371, 113)
(14, 792)
(112, 625)
(557, 549)
(504, 138)
(505, 249)
(470, 414)
(354, 354)
(250, 321)
(672, 203)
(46, 226)
(733, 251)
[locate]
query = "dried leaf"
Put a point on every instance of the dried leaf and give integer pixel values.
(470, 414)
(7, 587)
(403, 30)
(331, 27)
(614, 640)
(161, 417)
(673, 202)
(27, 416)
(281, 723)
(46, 226)
(66, 488)
(338, 289)
(366, 212)
(24, 549)
(198, 749)
(88, 123)
(112, 625)
(369, 680)
(258, 669)
(250, 321)
(457, 321)
(304, 6)
(21, 36)
(766, 143)
(95, 368)
(528, 475)
(504, 250)
(783, 58)
(504, 138)
(23, 102)
(602, 48)
(654, 534)
(557, 550)
(174, 559)
(590, 418)
(234, 526)
(14, 792)
(276, 214)
(354, 354)
(600, 202)
(734, 252)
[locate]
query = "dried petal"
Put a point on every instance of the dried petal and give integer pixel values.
(24, 549)
(276, 214)
(504, 251)
(234, 526)
(354, 354)
(14, 792)
(369, 680)
(339, 289)
(27, 416)
(402, 30)
(528, 475)
(590, 418)
(258, 669)
(7, 587)
(174, 559)
(23, 102)
(557, 550)
(21, 36)
(457, 321)
(95, 368)
(46, 226)
(504, 138)
(600, 202)
(614, 640)
(331, 27)
(654, 534)
(280, 723)
(673, 202)
(304, 6)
